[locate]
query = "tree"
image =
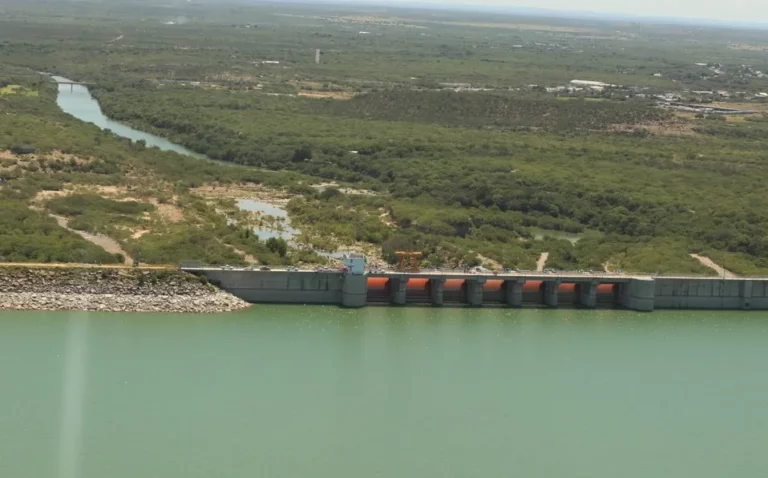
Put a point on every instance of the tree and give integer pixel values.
(302, 154)
(330, 193)
(277, 245)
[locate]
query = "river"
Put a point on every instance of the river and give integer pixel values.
(77, 101)
(291, 391)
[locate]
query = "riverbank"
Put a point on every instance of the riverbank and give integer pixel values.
(110, 290)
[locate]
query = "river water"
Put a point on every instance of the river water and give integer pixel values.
(295, 391)
(77, 101)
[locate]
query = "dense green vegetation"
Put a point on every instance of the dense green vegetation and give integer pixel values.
(94, 213)
(493, 110)
(466, 177)
(29, 236)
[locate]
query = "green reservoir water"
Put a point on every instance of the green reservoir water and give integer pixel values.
(295, 391)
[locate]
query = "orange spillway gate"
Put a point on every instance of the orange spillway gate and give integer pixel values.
(408, 261)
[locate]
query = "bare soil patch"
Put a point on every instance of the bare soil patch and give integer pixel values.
(747, 47)
(706, 261)
(243, 191)
(747, 105)
(54, 155)
(169, 212)
(487, 261)
(542, 261)
(105, 242)
(674, 127)
(335, 95)
(349, 191)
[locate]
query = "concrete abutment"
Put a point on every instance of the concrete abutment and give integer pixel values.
(354, 293)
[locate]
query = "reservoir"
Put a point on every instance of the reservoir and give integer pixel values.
(299, 391)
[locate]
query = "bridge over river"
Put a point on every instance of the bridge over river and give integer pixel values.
(438, 288)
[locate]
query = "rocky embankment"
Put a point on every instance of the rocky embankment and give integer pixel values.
(115, 290)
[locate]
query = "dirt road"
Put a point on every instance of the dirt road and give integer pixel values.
(105, 242)
(542, 261)
(706, 261)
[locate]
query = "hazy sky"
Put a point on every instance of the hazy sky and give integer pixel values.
(754, 11)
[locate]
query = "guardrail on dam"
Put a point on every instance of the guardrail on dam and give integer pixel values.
(642, 293)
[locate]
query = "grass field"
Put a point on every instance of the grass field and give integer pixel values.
(17, 90)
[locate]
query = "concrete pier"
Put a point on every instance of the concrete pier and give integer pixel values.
(587, 294)
(436, 290)
(398, 287)
(641, 293)
(513, 293)
(474, 287)
(550, 293)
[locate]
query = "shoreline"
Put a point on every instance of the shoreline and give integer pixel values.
(82, 288)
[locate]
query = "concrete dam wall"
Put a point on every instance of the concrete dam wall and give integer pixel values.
(511, 290)
(288, 287)
(706, 293)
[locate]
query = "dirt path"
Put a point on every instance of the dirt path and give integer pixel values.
(140, 233)
(105, 242)
(706, 261)
(542, 261)
(494, 265)
(246, 257)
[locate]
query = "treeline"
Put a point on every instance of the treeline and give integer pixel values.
(485, 109)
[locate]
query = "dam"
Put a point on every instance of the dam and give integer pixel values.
(358, 288)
